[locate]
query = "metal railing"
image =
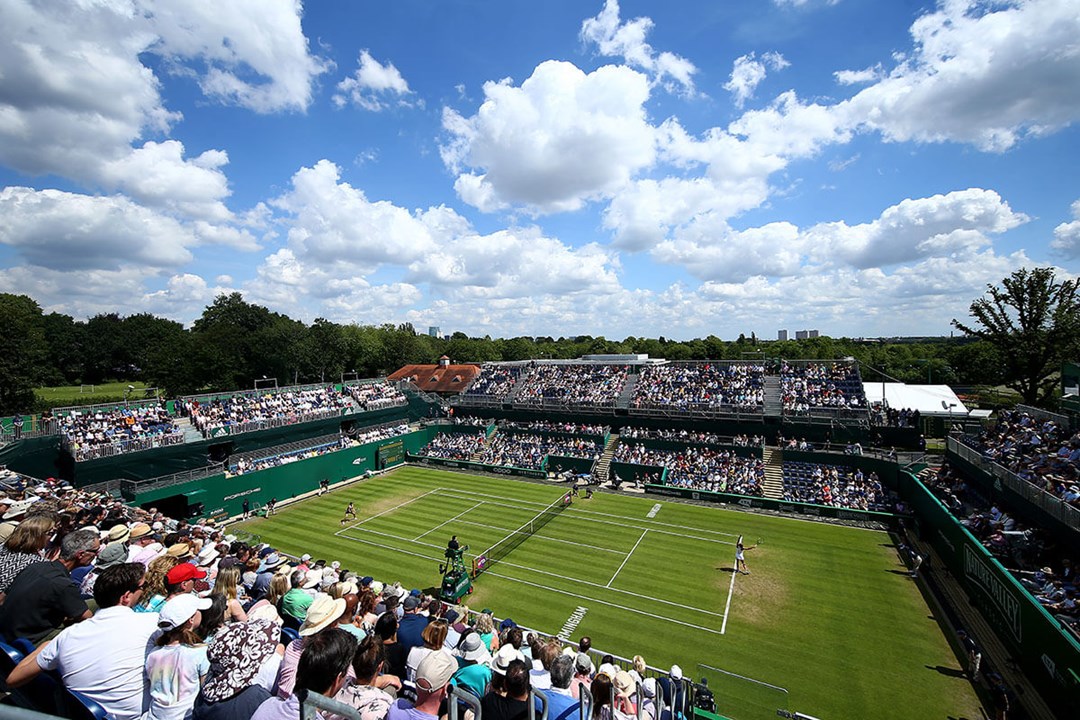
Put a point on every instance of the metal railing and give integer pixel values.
(122, 447)
(130, 487)
(274, 422)
(1045, 501)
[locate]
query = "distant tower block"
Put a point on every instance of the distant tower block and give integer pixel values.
(434, 331)
(781, 334)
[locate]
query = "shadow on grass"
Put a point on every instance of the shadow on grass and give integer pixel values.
(906, 573)
(726, 569)
(950, 672)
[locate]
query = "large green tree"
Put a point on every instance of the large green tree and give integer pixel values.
(1033, 320)
(23, 352)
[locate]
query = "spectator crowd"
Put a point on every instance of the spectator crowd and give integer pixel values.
(833, 485)
(525, 450)
(100, 432)
(700, 468)
(1042, 452)
(376, 395)
(153, 618)
(701, 386)
(1042, 565)
(246, 412)
(814, 385)
(494, 381)
(551, 426)
(572, 384)
(453, 446)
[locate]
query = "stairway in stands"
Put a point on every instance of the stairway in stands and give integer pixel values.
(191, 433)
(627, 393)
(774, 472)
(774, 402)
(475, 457)
(601, 468)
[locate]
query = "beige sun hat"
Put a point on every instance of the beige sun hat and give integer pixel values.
(323, 611)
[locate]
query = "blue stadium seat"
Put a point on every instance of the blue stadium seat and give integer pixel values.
(288, 634)
(80, 707)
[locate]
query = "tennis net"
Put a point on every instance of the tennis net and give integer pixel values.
(504, 547)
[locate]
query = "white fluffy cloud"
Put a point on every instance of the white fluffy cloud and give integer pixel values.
(957, 225)
(561, 138)
(614, 38)
(982, 73)
(253, 52)
(748, 72)
(77, 95)
(351, 257)
(68, 232)
(333, 222)
(1066, 240)
(373, 86)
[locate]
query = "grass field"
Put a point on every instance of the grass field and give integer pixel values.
(827, 613)
(61, 395)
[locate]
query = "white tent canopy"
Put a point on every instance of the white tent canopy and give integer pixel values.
(929, 400)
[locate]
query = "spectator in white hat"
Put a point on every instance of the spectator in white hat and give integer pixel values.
(432, 678)
(177, 667)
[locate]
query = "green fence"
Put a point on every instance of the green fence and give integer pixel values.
(791, 508)
(477, 467)
(1049, 655)
(555, 463)
(221, 494)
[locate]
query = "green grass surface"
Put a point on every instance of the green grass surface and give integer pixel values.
(65, 394)
(827, 613)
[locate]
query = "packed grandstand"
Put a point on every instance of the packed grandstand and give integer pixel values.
(149, 575)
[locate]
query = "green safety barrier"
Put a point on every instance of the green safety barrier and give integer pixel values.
(478, 467)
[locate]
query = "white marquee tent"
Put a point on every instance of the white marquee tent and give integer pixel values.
(929, 400)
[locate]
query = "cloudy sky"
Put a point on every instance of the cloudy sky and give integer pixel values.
(558, 168)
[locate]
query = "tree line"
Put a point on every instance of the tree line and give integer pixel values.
(235, 343)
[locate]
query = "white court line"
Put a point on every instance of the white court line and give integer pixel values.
(625, 559)
(624, 524)
(463, 522)
(544, 537)
(466, 512)
(531, 569)
(565, 592)
(582, 511)
(727, 607)
(384, 512)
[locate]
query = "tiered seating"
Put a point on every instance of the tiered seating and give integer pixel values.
(584, 385)
(1041, 452)
(701, 468)
(249, 411)
(494, 382)
(453, 446)
(700, 387)
(268, 458)
(103, 432)
(810, 386)
(571, 428)
(376, 395)
(699, 437)
(524, 450)
(833, 485)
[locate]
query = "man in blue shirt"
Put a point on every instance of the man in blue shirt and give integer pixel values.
(561, 702)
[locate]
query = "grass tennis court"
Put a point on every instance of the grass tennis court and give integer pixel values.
(827, 612)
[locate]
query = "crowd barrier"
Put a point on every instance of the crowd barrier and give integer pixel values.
(95, 452)
(1047, 652)
(478, 467)
(265, 424)
(782, 506)
(992, 475)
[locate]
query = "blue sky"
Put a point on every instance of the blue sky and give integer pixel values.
(560, 168)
